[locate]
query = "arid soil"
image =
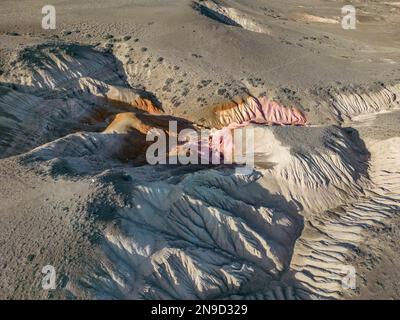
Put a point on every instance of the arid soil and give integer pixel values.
(77, 191)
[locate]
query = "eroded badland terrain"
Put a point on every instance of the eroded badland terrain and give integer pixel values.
(76, 192)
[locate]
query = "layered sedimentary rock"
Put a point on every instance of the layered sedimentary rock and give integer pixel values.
(58, 66)
(54, 68)
(119, 94)
(28, 121)
(347, 105)
(230, 16)
(79, 153)
(261, 111)
(181, 234)
(125, 122)
(207, 240)
(283, 231)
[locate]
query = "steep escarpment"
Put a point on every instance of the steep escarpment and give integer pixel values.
(365, 100)
(261, 111)
(230, 16)
(345, 103)
(324, 253)
(28, 120)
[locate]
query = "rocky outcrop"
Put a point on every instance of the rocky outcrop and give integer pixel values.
(321, 173)
(126, 122)
(351, 103)
(28, 121)
(283, 231)
(323, 254)
(196, 232)
(61, 89)
(261, 111)
(207, 241)
(230, 16)
(119, 95)
(181, 233)
(58, 66)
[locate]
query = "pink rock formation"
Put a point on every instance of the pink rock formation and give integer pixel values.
(262, 111)
(220, 143)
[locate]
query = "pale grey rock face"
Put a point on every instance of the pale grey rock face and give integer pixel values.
(194, 236)
(230, 16)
